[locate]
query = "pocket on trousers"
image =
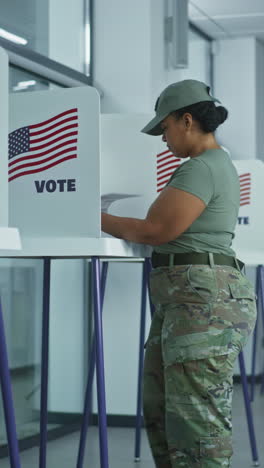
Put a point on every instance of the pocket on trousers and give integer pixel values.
(197, 346)
(242, 291)
(183, 284)
(216, 447)
(202, 281)
(170, 285)
(243, 311)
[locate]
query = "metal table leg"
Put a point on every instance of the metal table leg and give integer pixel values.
(8, 399)
(251, 429)
(100, 377)
(254, 350)
(151, 305)
(261, 289)
(44, 364)
(141, 359)
(88, 393)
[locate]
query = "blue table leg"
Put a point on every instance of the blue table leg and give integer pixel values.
(262, 382)
(44, 364)
(141, 358)
(254, 345)
(7, 399)
(151, 305)
(248, 410)
(261, 289)
(88, 393)
(100, 377)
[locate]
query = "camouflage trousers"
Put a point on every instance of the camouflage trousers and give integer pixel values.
(203, 317)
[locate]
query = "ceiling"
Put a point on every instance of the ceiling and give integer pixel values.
(228, 18)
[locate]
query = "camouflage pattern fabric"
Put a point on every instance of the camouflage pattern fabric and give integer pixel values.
(203, 317)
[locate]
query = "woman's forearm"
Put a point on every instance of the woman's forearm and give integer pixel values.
(131, 229)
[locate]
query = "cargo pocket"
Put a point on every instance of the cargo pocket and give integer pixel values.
(243, 311)
(202, 281)
(242, 291)
(216, 447)
(197, 346)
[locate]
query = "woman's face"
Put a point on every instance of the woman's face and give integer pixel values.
(176, 133)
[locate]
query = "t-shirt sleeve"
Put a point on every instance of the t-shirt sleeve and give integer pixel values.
(194, 177)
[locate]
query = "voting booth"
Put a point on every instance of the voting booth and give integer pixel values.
(54, 164)
(65, 164)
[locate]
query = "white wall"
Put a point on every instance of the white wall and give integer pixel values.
(67, 336)
(122, 54)
(234, 85)
(259, 93)
(66, 32)
(131, 57)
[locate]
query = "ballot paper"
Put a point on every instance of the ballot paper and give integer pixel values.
(109, 198)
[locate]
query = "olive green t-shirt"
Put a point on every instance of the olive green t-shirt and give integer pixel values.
(212, 177)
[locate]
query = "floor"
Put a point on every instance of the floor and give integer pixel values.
(63, 452)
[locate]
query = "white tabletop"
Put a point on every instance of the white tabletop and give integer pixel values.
(67, 247)
(63, 247)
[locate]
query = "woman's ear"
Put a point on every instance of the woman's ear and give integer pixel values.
(187, 118)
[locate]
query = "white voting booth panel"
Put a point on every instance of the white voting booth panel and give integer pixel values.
(249, 238)
(54, 163)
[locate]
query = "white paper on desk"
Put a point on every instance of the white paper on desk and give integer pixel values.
(109, 198)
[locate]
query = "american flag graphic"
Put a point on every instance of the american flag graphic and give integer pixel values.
(245, 188)
(40, 146)
(166, 165)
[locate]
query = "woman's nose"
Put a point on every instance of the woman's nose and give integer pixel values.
(164, 138)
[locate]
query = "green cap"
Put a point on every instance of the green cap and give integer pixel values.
(174, 97)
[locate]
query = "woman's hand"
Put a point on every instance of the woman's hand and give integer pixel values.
(168, 217)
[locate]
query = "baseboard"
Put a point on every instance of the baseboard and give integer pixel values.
(237, 379)
(117, 420)
(113, 420)
(22, 370)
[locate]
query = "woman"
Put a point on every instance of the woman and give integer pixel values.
(204, 306)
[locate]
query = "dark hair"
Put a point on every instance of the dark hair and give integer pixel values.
(206, 114)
